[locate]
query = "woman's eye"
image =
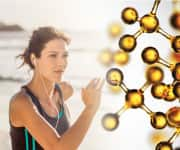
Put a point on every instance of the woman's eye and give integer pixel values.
(66, 55)
(53, 55)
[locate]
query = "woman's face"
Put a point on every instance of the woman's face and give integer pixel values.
(53, 60)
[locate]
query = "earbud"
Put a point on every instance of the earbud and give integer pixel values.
(33, 59)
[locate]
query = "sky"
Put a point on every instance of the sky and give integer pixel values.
(70, 14)
(67, 14)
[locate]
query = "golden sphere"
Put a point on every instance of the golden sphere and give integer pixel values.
(175, 43)
(164, 146)
(105, 57)
(114, 77)
(158, 120)
(134, 98)
(121, 57)
(175, 20)
(114, 30)
(150, 55)
(154, 74)
(176, 89)
(149, 23)
(158, 90)
(129, 15)
(127, 43)
(110, 121)
(173, 117)
(176, 72)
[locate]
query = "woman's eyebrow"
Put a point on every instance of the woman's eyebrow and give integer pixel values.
(65, 52)
(52, 52)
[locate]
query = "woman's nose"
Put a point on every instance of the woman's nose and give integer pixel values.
(62, 62)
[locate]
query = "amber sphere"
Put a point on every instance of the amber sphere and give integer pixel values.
(129, 15)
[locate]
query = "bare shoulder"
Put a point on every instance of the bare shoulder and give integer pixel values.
(19, 103)
(67, 89)
(19, 99)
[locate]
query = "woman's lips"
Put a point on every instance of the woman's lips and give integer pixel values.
(59, 72)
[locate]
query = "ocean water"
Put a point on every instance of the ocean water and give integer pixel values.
(134, 131)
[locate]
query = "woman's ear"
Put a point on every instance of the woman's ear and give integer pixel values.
(33, 59)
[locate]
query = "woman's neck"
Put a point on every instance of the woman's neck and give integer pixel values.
(41, 87)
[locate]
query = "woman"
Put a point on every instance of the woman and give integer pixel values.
(37, 115)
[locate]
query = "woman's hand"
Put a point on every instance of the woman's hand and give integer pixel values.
(91, 95)
(67, 89)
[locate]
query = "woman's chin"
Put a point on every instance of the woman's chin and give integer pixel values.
(57, 78)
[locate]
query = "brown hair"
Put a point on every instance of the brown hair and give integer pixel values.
(37, 42)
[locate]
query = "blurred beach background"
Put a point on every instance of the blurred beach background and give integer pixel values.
(86, 21)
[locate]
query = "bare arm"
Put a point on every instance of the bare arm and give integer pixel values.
(40, 129)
